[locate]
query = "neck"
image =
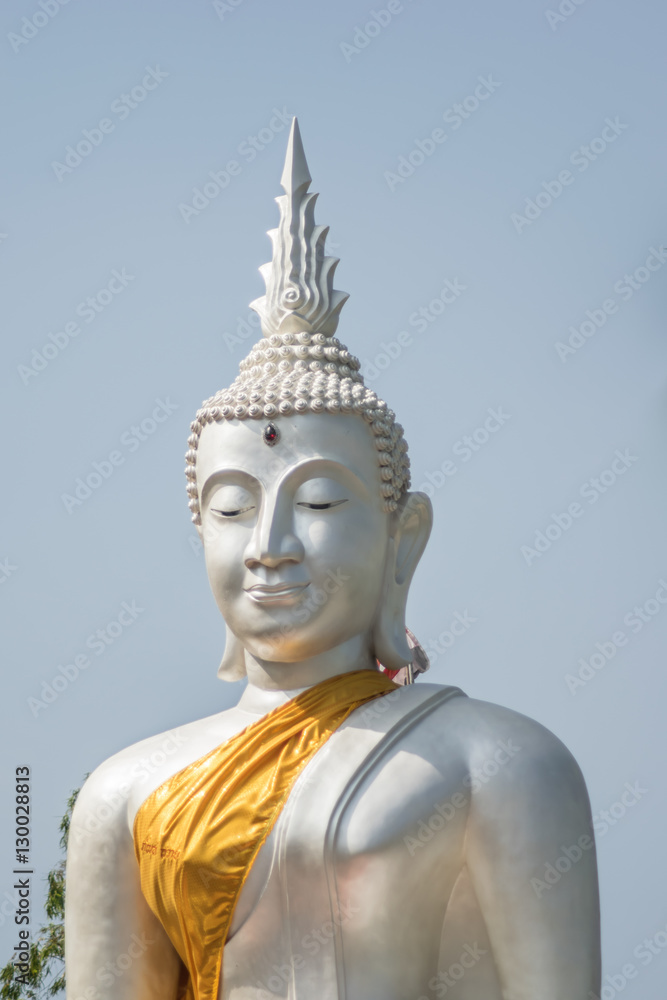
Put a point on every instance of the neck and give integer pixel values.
(272, 683)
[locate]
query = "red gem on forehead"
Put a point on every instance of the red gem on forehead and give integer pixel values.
(270, 434)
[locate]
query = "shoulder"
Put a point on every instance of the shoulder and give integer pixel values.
(492, 737)
(522, 784)
(114, 790)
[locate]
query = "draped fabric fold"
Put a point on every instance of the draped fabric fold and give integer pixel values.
(197, 835)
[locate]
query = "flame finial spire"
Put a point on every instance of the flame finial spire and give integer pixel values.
(295, 171)
(300, 296)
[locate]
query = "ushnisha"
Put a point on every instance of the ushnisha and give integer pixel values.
(299, 366)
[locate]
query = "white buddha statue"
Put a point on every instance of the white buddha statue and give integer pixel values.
(333, 835)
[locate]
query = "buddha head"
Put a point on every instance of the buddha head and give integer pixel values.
(298, 474)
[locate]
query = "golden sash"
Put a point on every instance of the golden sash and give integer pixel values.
(197, 835)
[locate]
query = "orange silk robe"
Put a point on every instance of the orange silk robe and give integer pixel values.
(197, 835)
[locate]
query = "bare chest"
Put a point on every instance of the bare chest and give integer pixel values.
(359, 868)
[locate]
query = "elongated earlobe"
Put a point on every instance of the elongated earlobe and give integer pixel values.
(411, 528)
(232, 666)
(389, 641)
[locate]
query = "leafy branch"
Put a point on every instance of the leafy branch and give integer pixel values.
(45, 974)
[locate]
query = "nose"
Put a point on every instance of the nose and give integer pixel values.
(273, 541)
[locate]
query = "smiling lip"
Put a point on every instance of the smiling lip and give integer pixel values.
(278, 593)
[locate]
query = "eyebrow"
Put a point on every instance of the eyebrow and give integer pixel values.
(215, 476)
(225, 471)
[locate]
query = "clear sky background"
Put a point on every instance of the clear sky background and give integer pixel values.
(540, 205)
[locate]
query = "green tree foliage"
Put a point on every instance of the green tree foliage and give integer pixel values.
(46, 964)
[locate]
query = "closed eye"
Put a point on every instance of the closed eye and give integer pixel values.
(321, 506)
(232, 513)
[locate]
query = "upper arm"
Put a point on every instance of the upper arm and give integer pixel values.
(531, 856)
(116, 949)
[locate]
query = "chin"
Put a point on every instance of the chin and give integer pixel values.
(292, 642)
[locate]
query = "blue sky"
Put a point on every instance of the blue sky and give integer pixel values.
(493, 178)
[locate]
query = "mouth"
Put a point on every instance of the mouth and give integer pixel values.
(277, 593)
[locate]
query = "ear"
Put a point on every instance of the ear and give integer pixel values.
(232, 666)
(409, 532)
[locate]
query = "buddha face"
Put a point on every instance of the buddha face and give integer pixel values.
(295, 533)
